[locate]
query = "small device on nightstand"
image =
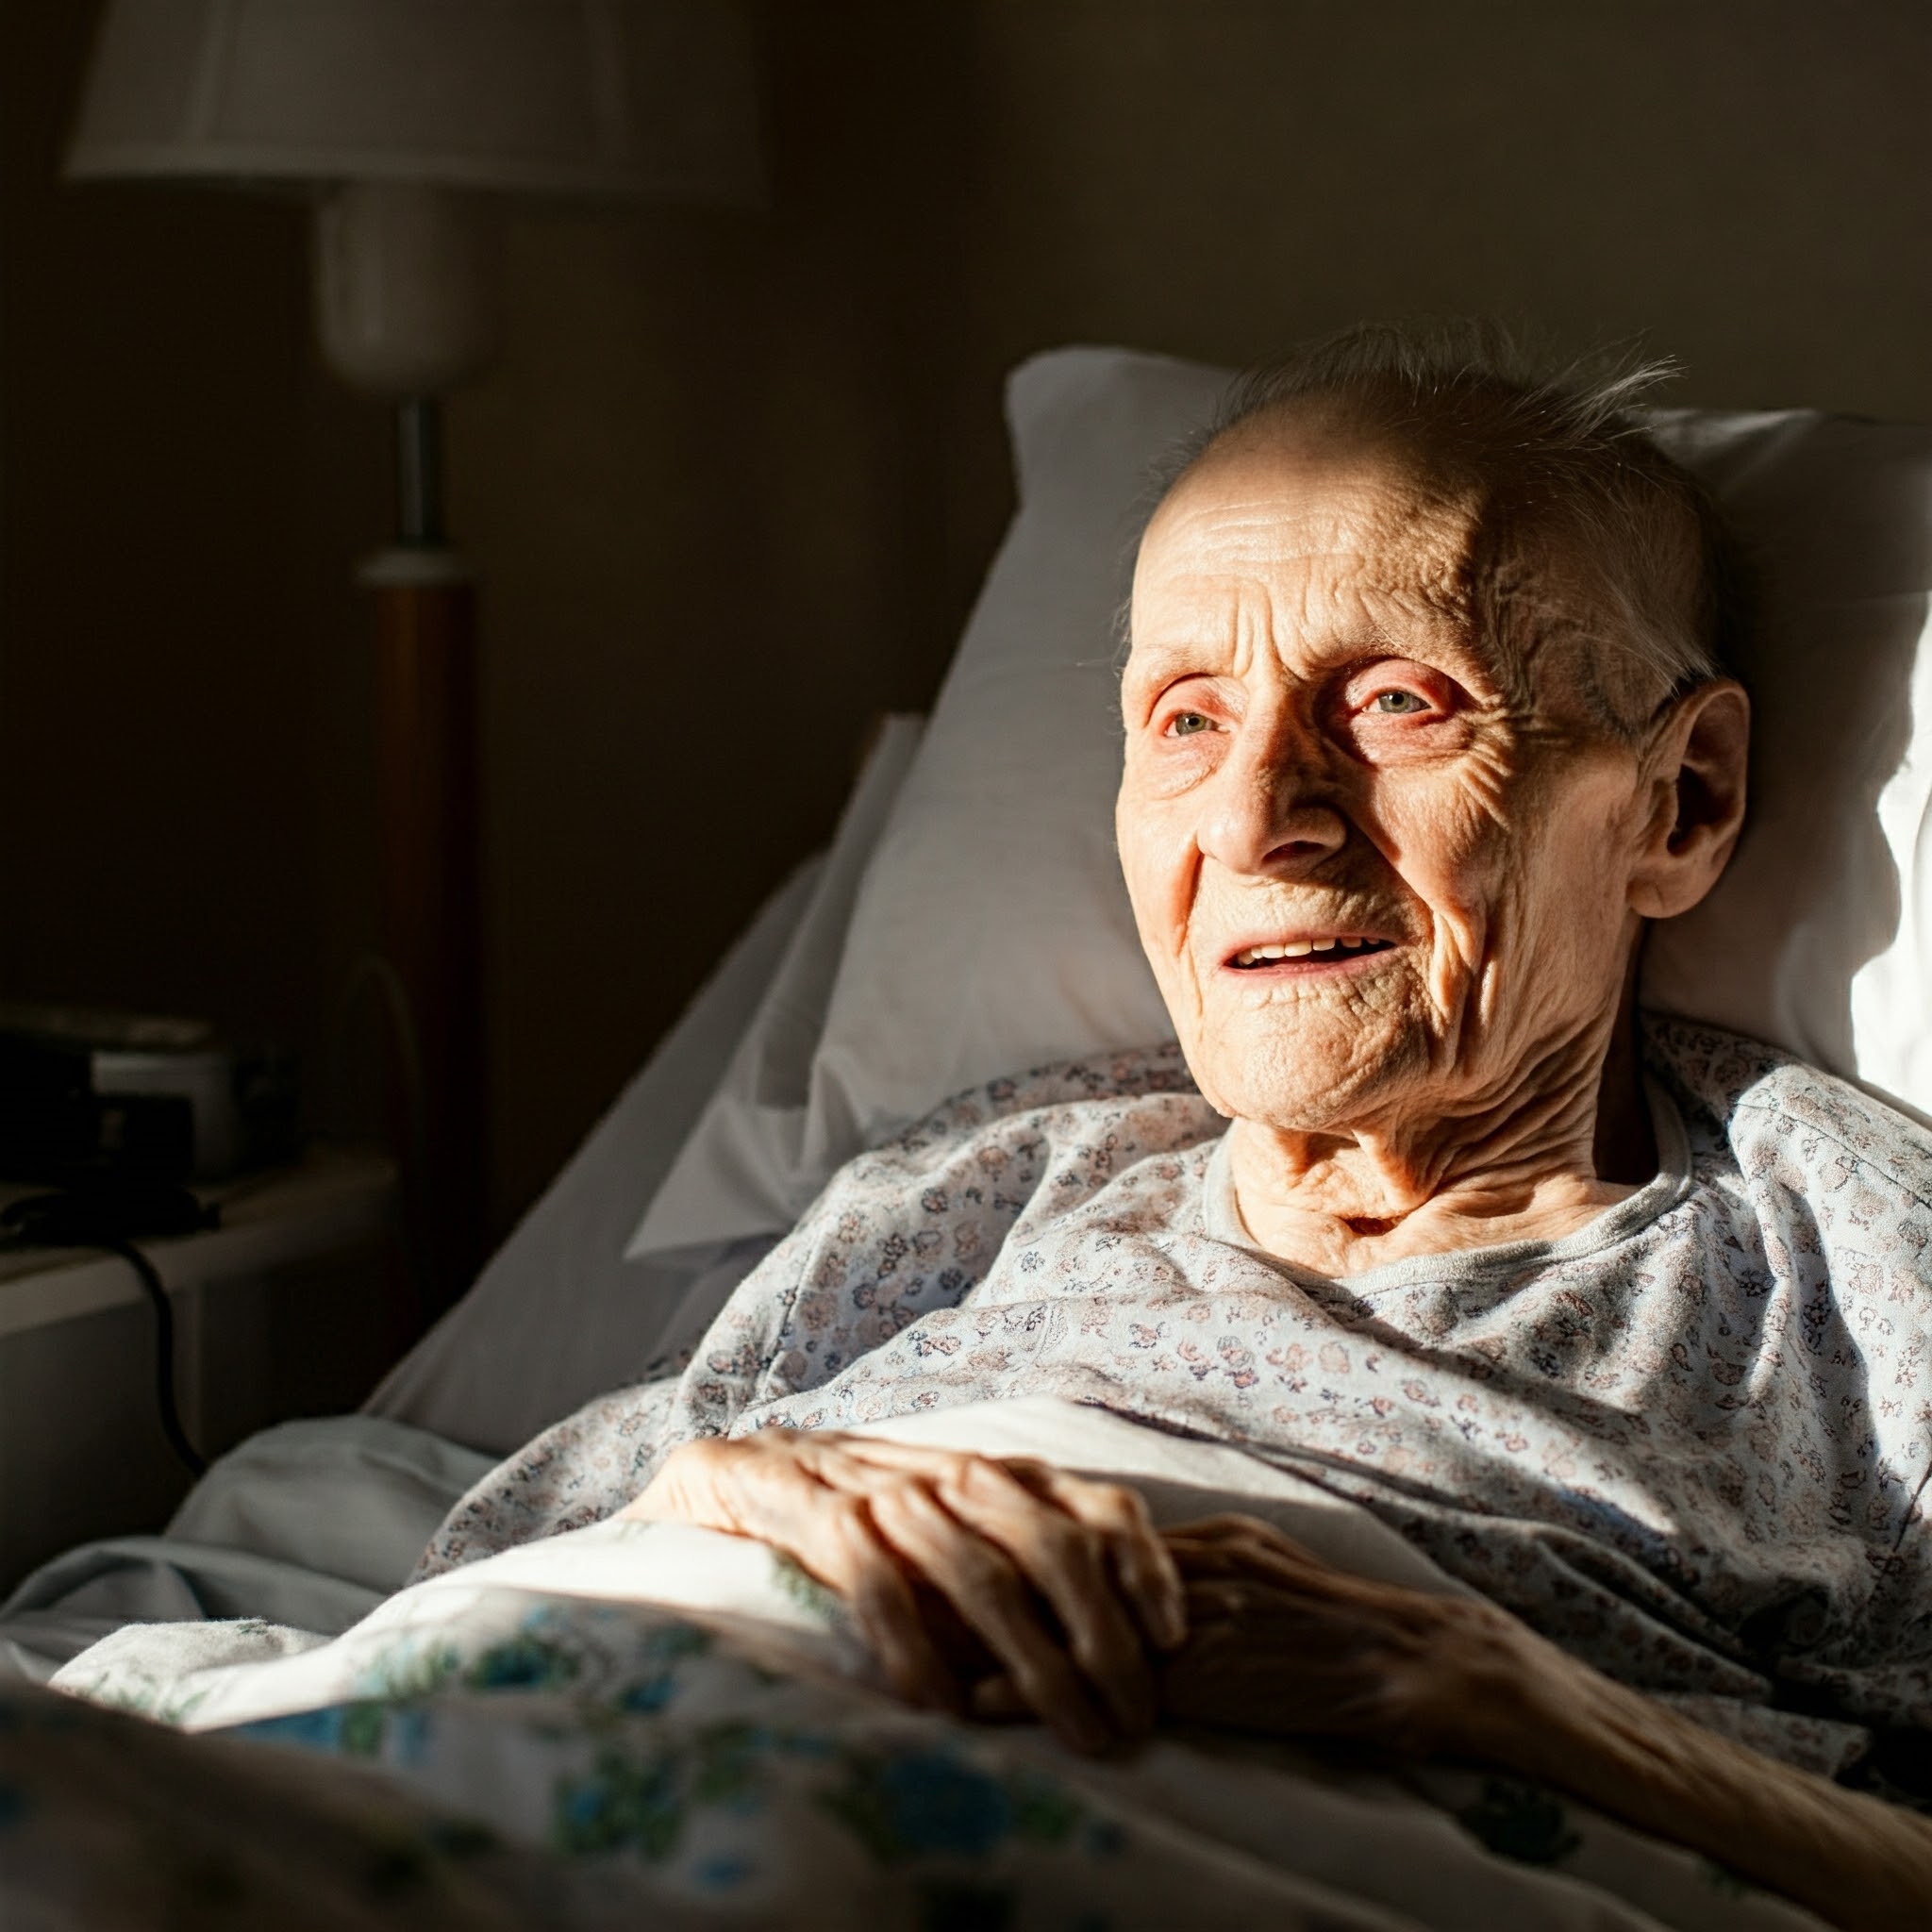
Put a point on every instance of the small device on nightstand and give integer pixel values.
(98, 1094)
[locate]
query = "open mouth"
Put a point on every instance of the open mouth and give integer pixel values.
(1329, 950)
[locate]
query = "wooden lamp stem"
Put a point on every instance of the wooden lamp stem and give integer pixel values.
(427, 742)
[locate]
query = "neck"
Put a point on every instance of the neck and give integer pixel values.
(1565, 1137)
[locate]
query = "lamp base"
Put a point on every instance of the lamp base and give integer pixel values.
(425, 719)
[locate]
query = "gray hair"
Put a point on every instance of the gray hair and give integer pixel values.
(1557, 452)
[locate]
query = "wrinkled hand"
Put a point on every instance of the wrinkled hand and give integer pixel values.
(1281, 1642)
(962, 1570)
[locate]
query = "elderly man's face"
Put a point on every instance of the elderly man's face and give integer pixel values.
(1382, 874)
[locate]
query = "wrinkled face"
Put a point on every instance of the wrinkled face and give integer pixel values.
(1381, 872)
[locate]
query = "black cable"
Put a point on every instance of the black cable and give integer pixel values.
(107, 1218)
(149, 1276)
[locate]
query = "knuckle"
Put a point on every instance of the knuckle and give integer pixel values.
(1119, 1509)
(989, 1561)
(985, 1572)
(903, 1495)
(1059, 1538)
(977, 1478)
(849, 1517)
(1076, 1550)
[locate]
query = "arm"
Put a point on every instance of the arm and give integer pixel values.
(1281, 1642)
(1851, 1859)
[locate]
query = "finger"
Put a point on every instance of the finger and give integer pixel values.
(1146, 1573)
(986, 1591)
(1149, 1576)
(858, 1565)
(764, 1488)
(1242, 1545)
(1233, 1530)
(1200, 1558)
(1067, 1563)
(1063, 1559)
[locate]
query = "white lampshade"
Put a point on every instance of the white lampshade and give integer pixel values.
(411, 119)
(638, 98)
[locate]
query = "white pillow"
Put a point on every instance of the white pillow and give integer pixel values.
(993, 930)
(1819, 936)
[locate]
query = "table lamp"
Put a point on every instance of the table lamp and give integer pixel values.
(410, 123)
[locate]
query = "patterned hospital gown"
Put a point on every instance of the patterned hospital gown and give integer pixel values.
(1687, 1442)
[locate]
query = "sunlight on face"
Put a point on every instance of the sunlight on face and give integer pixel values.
(1378, 869)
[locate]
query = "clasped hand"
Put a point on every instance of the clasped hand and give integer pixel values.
(961, 1570)
(1002, 1586)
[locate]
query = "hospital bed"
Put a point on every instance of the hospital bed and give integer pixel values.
(968, 919)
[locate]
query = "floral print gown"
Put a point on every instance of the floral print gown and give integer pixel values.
(1688, 1443)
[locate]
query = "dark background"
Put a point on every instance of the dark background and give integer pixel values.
(734, 483)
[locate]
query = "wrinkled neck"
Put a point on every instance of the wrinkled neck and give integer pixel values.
(1570, 1137)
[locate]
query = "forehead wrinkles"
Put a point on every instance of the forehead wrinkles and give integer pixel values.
(1530, 598)
(1306, 537)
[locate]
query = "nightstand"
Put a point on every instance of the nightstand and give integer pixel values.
(288, 1308)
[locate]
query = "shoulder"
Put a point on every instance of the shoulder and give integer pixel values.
(949, 1188)
(1787, 1121)
(1141, 1090)
(916, 1224)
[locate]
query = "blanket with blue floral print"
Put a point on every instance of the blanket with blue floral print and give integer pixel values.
(650, 1724)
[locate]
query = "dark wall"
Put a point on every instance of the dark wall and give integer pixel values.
(734, 482)
(183, 763)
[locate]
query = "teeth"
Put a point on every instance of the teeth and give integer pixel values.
(1295, 949)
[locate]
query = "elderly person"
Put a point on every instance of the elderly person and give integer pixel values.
(1623, 1322)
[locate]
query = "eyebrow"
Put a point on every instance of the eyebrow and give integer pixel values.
(1454, 650)
(1158, 663)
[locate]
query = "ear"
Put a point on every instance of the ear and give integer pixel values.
(1697, 766)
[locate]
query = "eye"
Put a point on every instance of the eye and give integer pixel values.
(1186, 723)
(1393, 709)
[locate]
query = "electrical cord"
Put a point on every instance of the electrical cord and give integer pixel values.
(171, 1426)
(112, 1216)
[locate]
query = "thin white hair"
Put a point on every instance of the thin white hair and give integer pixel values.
(1554, 451)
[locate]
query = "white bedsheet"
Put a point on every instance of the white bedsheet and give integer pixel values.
(311, 1524)
(560, 1694)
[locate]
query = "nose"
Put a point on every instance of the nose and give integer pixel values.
(1271, 813)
